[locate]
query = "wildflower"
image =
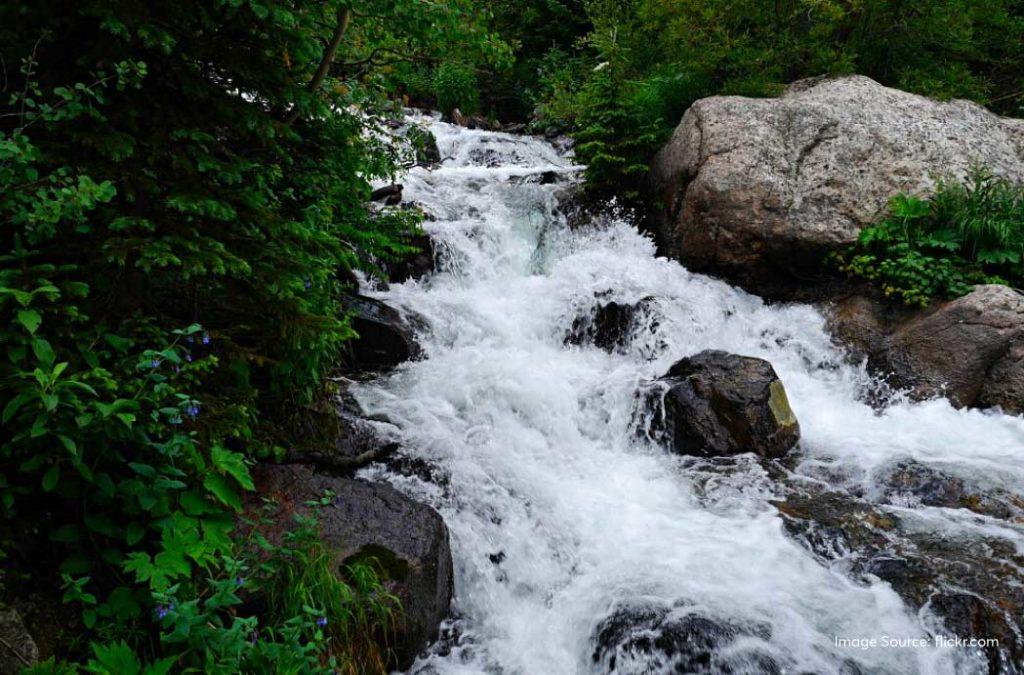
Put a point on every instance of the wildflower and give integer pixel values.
(322, 621)
(239, 581)
(164, 610)
(308, 284)
(155, 363)
(188, 357)
(192, 410)
(206, 338)
(254, 637)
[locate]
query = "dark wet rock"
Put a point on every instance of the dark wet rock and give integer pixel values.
(910, 483)
(549, 177)
(385, 340)
(609, 325)
(473, 121)
(391, 195)
(716, 403)
(967, 349)
(18, 650)
(655, 638)
(408, 540)
(335, 435)
(414, 265)
(925, 568)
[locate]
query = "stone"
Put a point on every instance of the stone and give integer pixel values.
(969, 349)
(414, 265)
(408, 539)
(18, 649)
(760, 190)
(609, 325)
(391, 195)
(720, 404)
(386, 338)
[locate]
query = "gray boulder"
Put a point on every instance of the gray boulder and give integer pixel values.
(970, 350)
(759, 190)
(407, 538)
(18, 650)
(386, 338)
(719, 404)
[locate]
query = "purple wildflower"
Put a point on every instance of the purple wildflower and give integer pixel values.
(206, 338)
(322, 621)
(192, 410)
(308, 284)
(164, 610)
(155, 363)
(188, 357)
(239, 581)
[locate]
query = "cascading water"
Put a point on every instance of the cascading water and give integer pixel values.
(565, 523)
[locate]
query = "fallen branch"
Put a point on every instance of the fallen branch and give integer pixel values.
(334, 462)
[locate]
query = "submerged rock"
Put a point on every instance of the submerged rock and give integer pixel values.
(385, 340)
(408, 540)
(972, 588)
(969, 349)
(718, 403)
(759, 190)
(652, 637)
(610, 324)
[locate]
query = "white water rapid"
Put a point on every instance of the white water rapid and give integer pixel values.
(560, 513)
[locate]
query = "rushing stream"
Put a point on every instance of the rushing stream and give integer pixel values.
(568, 527)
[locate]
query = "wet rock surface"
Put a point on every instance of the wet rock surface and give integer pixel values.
(610, 325)
(652, 637)
(386, 337)
(969, 349)
(415, 265)
(759, 190)
(965, 588)
(716, 403)
(408, 539)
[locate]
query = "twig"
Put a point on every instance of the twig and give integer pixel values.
(17, 653)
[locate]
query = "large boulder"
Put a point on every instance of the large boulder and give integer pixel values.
(386, 337)
(408, 539)
(759, 190)
(970, 349)
(718, 404)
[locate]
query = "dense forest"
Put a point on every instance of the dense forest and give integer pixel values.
(184, 190)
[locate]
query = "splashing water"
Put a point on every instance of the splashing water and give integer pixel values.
(559, 513)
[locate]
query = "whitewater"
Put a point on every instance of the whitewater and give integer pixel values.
(560, 513)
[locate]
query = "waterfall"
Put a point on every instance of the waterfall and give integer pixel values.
(568, 528)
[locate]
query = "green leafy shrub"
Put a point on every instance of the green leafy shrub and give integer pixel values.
(965, 234)
(266, 608)
(183, 193)
(454, 86)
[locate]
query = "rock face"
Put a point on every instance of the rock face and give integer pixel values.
(722, 404)
(18, 649)
(759, 190)
(972, 588)
(970, 349)
(385, 337)
(407, 538)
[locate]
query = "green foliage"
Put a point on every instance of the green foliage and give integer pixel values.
(644, 62)
(454, 86)
(183, 199)
(966, 234)
(267, 608)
